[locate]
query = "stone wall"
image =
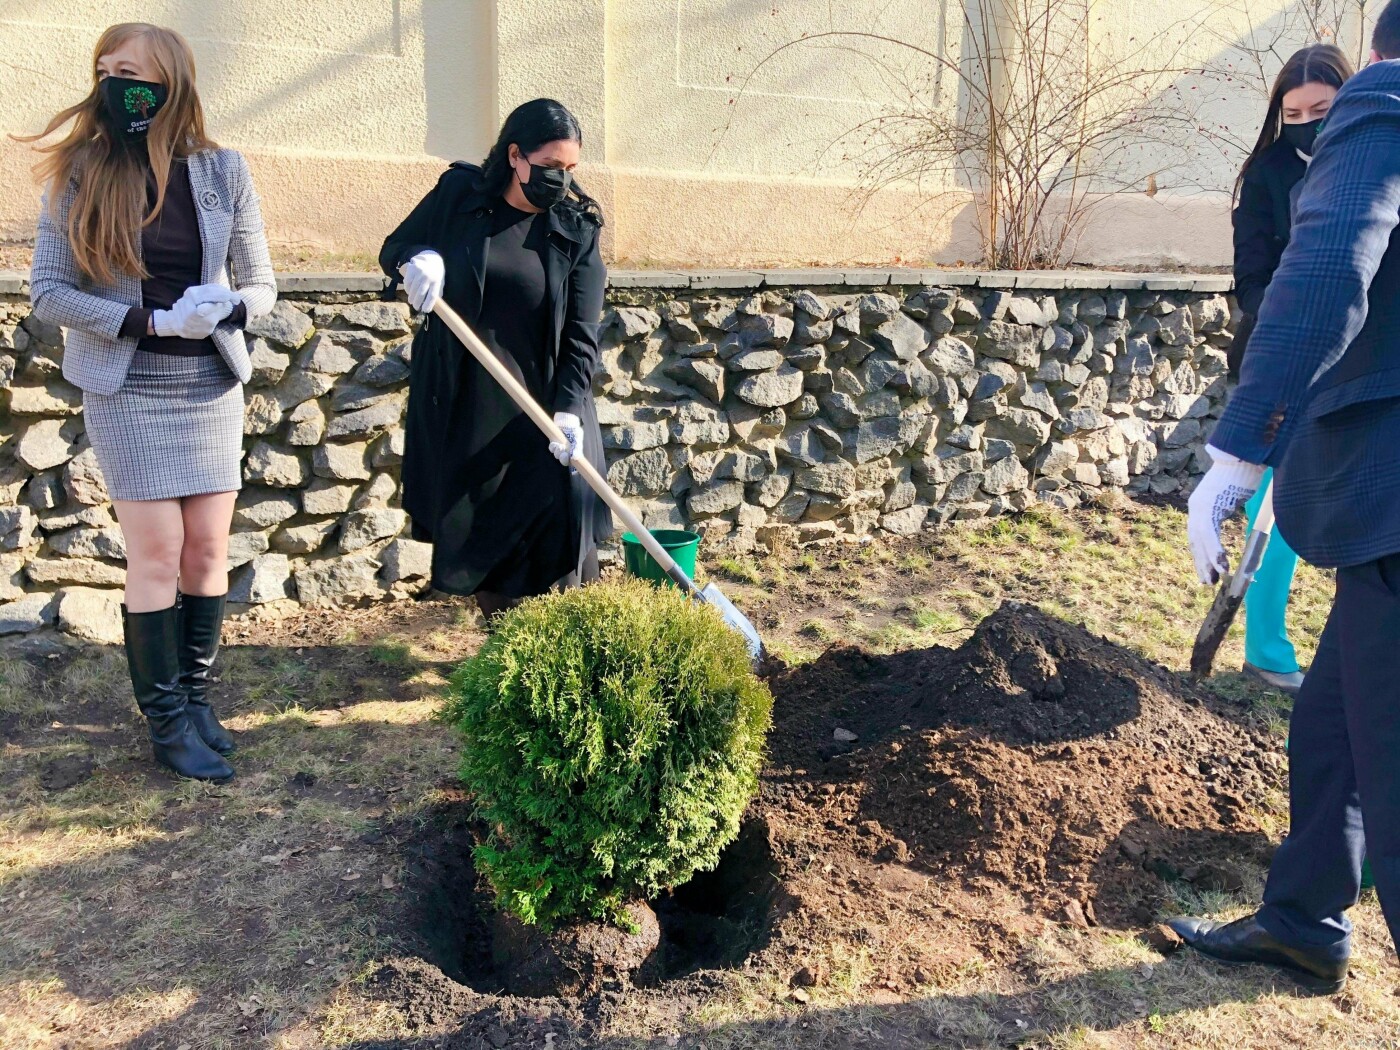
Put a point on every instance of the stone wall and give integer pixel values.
(756, 408)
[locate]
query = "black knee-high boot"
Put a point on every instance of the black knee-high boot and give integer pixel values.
(201, 623)
(153, 658)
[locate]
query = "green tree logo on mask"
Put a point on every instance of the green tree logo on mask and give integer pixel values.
(139, 99)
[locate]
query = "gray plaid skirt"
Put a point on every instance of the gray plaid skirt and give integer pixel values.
(174, 429)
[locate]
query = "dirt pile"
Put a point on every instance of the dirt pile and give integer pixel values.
(920, 813)
(1037, 759)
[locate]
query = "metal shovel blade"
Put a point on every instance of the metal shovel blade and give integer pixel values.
(1215, 628)
(738, 621)
(1233, 588)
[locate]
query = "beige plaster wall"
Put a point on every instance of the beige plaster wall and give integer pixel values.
(702, 151)
(344, 107)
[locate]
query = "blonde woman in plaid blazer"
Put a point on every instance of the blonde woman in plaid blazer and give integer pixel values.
(150, 252)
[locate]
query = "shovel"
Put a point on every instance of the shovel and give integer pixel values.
(710, 594)
(1232, 589)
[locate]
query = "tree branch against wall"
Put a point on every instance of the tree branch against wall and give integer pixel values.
(1254, 38)
(1037, 108)
(1269, 36)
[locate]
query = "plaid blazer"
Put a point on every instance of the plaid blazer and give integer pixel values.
(95, 356)
(1319, 393)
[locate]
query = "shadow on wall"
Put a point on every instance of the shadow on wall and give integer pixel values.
(459, 75)
(1123, 227)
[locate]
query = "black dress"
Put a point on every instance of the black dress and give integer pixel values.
(479, 481)
(534, 551)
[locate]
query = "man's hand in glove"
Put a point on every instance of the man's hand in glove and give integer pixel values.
(1227, 486)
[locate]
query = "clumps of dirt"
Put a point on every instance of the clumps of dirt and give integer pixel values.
(430, 1002)
(578, 959)
(452, 978)
(924, 812)
(1037, 760)
(1093, 823)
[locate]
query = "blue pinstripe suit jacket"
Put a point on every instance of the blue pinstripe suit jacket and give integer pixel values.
(1319, 393)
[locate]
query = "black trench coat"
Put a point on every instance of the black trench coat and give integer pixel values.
(1263, 222)
(478, 479)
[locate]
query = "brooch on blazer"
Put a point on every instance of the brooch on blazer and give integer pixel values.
(209, 199)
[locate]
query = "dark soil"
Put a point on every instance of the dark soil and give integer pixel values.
(1035, 760)
(580, 958)
(1035, 775)
(63, 773)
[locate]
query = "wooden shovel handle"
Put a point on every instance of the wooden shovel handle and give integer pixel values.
(545, 422)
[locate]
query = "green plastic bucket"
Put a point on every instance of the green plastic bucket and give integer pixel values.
(678, 544)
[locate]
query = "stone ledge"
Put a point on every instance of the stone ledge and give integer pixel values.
(290, 284)
(1030, 280)
(15, 283)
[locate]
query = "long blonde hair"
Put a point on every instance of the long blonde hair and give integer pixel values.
(109, 206)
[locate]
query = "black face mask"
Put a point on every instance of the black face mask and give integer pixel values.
(1302, 137)
(131, 105)
(547, 186)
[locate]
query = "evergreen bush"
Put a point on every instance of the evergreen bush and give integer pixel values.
(613, 737)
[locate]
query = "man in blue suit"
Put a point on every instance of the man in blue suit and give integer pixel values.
(1319, 400)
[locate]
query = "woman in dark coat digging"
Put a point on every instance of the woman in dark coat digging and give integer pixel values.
(512, 246)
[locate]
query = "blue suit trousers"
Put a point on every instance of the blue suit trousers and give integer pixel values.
(1343, 739)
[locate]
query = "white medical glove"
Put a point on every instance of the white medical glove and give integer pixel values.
(423, 278)
(1226, 487)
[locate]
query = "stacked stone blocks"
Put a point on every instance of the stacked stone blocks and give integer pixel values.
(756, 416)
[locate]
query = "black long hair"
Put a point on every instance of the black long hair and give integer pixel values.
(1318, 64)
(530, 126)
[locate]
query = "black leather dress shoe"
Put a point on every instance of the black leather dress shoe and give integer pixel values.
(1245, 941)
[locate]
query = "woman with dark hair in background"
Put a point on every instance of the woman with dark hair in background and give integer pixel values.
(1301, 97)
(150, 252)
(512, 246)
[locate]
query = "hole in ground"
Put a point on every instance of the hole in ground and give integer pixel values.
(715, 921)
(449, 906)
(721, 917)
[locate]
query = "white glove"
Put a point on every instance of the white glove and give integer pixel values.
(1228, 485)
(200, 294)
(188, 320)
(423, 278)
(572, 428)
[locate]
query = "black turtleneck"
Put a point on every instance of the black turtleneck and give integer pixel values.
(173, 252)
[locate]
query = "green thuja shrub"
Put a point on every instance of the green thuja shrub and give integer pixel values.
(613, 737)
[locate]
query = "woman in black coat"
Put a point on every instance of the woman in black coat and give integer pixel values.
(1263, 216)
(512, 246)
